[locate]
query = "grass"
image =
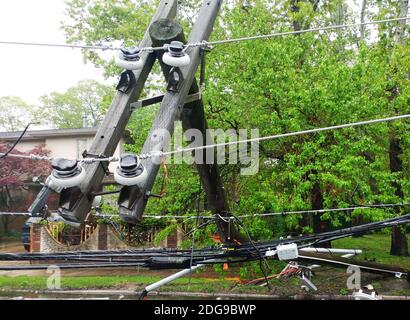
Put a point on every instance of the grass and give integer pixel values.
(206, 285)
(86, 282)
(376, 247)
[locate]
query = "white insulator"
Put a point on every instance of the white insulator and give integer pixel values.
(97, 201)
(49, 183)
(128, 64)
(175, 61)
(130, 181)
(68, 182)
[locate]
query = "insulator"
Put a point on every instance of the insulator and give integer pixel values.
(130, 171)
(66, 173)
(97, 201)
(129, 58)
(176, 56)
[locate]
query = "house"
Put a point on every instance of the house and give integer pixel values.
(64, 143)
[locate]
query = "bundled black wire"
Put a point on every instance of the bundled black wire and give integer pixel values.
(177, 258)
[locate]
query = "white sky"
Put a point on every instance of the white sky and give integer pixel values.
(29, 72)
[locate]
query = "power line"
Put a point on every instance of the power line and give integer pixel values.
(277, 136)
(26, 214)
(210, 146)
(59, 45)
(16, 142)
(28, 157)
(171, 258)
(370, 206)
(211, 43)
(278, 213)
(286, 33)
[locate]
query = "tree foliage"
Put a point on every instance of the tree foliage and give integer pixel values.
(85, 102)
(14, 113)
(15, 171)
(286, 84)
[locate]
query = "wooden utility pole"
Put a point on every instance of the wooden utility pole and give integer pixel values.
(132, 199)
(193, 117)
(75, 203)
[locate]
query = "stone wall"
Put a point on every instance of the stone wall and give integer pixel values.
(104, 237)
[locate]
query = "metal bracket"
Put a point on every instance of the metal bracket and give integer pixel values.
(308, 284)
(176, 78)
(104, 164)
(149, 194)
(127, 81)
(157, 99)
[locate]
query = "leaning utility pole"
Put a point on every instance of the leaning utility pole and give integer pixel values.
(133, 199)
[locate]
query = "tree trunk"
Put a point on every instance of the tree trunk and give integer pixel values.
(399, 245)
(316, 199)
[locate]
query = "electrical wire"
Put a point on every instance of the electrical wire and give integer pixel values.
(261, 258)
(59, 45)
(277, 136)
(206, 44)
(269, 214)
(369, 206)
(191, 261)
(26, 214)
(236, 254)
(3, 155)
(210, 146)
(279, 34)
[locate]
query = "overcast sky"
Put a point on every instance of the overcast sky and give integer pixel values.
(29, 72)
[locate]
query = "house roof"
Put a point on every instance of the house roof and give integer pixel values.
(42, 134)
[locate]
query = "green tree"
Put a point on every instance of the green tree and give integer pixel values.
(287, 84)
(14, 113)
(85, 102)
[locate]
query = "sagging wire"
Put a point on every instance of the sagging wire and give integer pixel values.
(332, 27)
(211, 218)
(241, 253)
(192, 248)
(26, 214)
(207, 44)
(202, 225)
(261, 258)
(279, 213)
(161, 154)
(60, 45)
(3, 155)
